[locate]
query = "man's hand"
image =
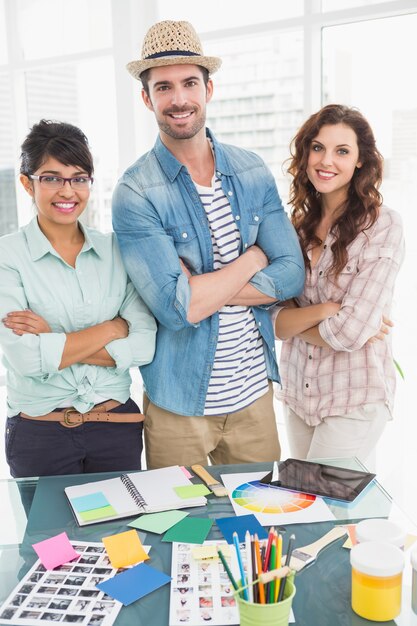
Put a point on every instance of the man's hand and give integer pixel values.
(383, 331)
(24, 322)
(259, 257)
(185, 269)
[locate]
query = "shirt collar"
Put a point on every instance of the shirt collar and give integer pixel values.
(172, 166)
(39, 245)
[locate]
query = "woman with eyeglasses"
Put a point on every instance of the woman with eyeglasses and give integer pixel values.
(337, 368)
(72, 323)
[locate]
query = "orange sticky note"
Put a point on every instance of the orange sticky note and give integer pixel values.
(124, 549)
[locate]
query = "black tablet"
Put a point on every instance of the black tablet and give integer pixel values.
(328, 481)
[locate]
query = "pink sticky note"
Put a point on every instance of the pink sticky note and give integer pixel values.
(55, 551)
(186, 472)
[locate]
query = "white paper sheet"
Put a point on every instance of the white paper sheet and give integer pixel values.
(201, 592)
(273, 506)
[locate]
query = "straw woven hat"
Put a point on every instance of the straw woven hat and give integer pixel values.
(172, 43)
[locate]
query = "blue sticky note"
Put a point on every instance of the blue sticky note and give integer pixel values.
(134, 583)
(89, 502)
(240, 524)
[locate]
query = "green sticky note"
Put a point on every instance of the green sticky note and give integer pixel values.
(158, 522)
(189, 530)
(97, 514)
(191, 491)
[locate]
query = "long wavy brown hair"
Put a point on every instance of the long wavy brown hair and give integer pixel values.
(360, 210)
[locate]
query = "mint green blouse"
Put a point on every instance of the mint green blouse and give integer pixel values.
(34, 276)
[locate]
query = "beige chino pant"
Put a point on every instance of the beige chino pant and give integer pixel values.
(338, 436)
(246, 436)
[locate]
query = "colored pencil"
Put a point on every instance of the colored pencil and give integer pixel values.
(271, 590)
(287, 562)
(278, 560)
(249, 572)
(261, 588)
(268, 549)
(227, 568)
(254, 572)
(240, 563)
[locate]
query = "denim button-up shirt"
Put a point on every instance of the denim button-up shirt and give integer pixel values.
(158, 218)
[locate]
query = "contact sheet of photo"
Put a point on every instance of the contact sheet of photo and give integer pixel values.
(66, 594)
(200, 591)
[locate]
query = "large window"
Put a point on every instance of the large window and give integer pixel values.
(60, 67)
(227, 15)
(49, 28)
(258, 100)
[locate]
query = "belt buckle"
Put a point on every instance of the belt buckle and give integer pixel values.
(67, 420)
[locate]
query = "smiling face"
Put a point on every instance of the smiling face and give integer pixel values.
(57, 206)
(178, 97)
(332, 160)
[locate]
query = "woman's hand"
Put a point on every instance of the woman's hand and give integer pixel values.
(330, 308)
(24, 322)
(383, 331)
(28, 322)
(119, 327)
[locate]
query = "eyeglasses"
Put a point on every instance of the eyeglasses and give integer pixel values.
(82, 183)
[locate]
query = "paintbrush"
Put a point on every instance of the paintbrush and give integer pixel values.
(301, 557)
(267, 577)
(217, 488)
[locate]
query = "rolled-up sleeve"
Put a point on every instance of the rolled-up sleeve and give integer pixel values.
(150, 257)
(284, 277)
(138, 347)
(370, 292)
(30, 355)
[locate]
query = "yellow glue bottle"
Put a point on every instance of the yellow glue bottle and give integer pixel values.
(377, 569)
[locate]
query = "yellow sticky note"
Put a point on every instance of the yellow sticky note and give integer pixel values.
(124, 549)
(348, 544)
(208, 552)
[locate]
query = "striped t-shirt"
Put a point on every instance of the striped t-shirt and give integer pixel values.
(239, 374)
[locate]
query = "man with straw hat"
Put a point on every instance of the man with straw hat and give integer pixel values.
(206, 242)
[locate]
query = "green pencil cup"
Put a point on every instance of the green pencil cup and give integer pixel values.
(276, 614)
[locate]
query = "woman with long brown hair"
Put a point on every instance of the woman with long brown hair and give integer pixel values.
(337, 369)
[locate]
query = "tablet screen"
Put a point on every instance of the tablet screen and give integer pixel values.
(321, 480)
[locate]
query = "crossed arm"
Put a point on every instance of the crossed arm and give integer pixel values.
(83, 346)
(270, 271)
(229, 285)
(303, 322)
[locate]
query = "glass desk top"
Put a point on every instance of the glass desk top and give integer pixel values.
(34, 509)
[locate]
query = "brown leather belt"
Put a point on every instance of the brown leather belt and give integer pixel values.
(100, 413)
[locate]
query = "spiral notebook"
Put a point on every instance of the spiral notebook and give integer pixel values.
(130, 494)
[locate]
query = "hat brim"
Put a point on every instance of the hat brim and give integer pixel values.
(136, 68)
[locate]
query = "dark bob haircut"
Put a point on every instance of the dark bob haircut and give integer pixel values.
(64, 142)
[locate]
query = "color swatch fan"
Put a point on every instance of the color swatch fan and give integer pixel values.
(260, 498)
(271, 505)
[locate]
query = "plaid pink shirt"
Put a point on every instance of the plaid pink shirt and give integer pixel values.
(317, 382)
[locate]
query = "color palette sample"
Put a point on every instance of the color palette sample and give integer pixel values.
(261, 498)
